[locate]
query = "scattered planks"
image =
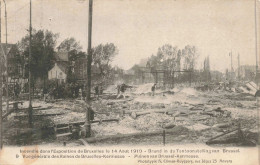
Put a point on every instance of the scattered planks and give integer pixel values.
(214, 141)
(135, 114)
(15, 108)
(178, 130)
(38, 108)
(13, 102)
(83, 122)
(8, 113)
(37, 115)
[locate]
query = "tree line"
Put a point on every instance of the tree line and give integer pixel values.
(172, 58)
(43, 49)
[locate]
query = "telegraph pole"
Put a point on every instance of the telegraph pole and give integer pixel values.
(89, 61)
(231, 62)
(6, 54)
(30, 74)
(1, 84)
(257, 78)
(256, 66)
(238, 70)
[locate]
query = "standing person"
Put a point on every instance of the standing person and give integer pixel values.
(44, 92)
(97, 91)
(16, 90)
(80, 94)
(101, 89)
(118, 89)
(84, 92)
(153, 89)
(121, 90)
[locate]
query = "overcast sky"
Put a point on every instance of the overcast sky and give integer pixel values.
(139, 27)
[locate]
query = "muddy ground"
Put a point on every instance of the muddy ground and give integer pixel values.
(198, 116)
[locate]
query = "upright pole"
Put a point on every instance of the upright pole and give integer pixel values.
(256, 66)
(238, 65)
(89, 61)
(7, 85)
(1, 122)
(231, 62)
(190, 78)
(156, 78)
(173, 81)
(30, 74)
(257, 78)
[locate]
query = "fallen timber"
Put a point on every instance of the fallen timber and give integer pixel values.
(210, 141)
(135, 114)
(38, 108)
(37, 115)
(67, 128)
(8, 113)
(15, 108)
(32, 107)
(235, 136)
(83, 122)
(13, 102)
(176, 131)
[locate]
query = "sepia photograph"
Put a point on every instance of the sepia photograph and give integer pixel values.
(127, 81)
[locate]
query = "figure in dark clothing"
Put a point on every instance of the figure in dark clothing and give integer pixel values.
(45, 93)
(153, 89)
(100, 90)
(16, 90)
(118, 89)
(97, 91)
(123, 88)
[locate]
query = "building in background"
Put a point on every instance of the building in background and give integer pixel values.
(60, 69)
(16, 70)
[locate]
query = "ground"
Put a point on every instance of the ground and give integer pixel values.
(196, 116)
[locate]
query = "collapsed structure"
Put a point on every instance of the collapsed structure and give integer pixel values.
(179, 115)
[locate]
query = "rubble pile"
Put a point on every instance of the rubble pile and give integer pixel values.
(204, 114)
(149, 122)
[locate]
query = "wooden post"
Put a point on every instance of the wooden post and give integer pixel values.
(164, 137)
(1, 94)
(7, 85)
(156, 77)
(89, 61)
(190, 78)
(164, 79)
(173, 79)
(238, 65)
(256, 54)
(30, 110)
(142, 77)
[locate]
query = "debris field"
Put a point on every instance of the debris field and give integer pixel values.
(182, 115)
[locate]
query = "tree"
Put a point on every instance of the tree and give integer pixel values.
(206, 70)
(167, 54)
(190, 55)
(153, 61)
(103, 55)
(73, 57)
(43, 45)
(69, 44)
(74, 50)
(137, 70)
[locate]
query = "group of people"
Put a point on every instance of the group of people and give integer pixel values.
(64, 91)
(13, 90)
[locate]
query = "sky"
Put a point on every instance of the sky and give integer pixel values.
(139, 27)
